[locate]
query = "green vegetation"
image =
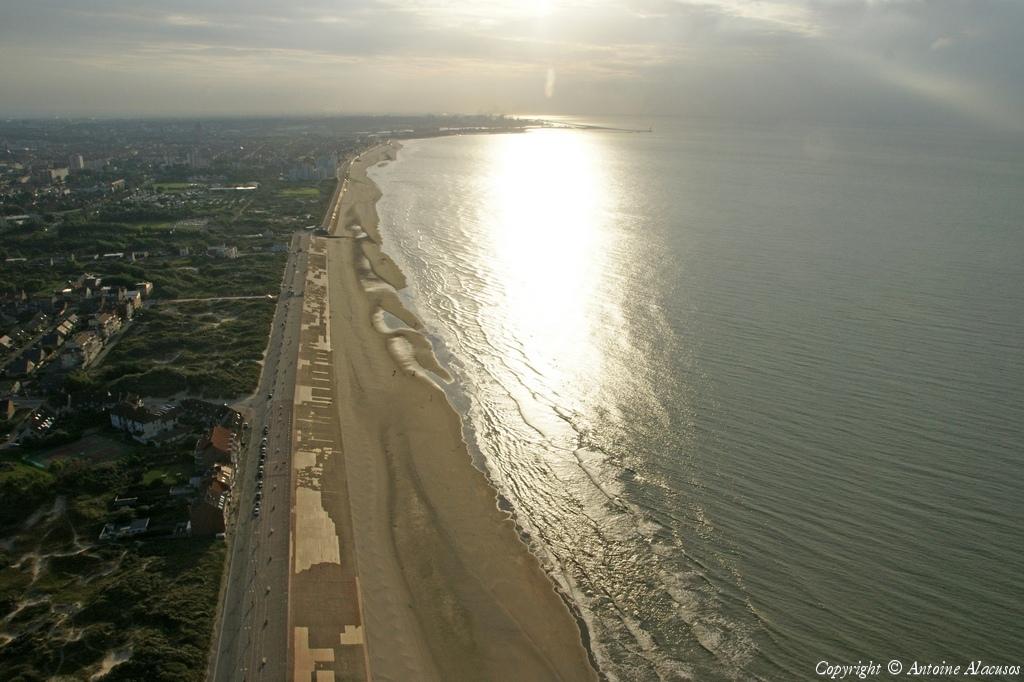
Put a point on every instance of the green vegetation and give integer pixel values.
(301, 192)
(154, 599)
(22, 487)
(182, 277)
(68, 600)
(172, 473)
(174, 186)
(212, 349)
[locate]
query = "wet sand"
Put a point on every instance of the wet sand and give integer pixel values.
(448, 590)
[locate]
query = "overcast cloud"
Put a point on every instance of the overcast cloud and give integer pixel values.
(847, 61)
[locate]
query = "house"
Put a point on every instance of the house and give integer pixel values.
(114, 532)
(222, 251)
(52, 341)
(21, 367)
(57, 174)
(223, 476)
(6, 342)
(127, 309)
(113, 294)
(7, 408)
(105, 324)
(209, 509)
(219, 446)
(145, 288)
(142, 424)
(81, 350)
(67, 325)
(37, 355)
(207, 512)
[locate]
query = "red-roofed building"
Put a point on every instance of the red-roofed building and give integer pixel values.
(219, 446)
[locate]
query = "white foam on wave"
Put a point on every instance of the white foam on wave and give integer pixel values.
(405, 355)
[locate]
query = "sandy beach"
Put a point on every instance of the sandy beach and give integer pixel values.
(446, 589)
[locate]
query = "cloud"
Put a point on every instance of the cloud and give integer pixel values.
(777, 59)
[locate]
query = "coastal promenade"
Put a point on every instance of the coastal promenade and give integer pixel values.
(325, 619)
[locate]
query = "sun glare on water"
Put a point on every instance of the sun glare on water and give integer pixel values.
(547, 196)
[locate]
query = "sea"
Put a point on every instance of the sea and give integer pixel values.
(754, 395)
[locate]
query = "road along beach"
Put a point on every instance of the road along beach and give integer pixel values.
(442, 587)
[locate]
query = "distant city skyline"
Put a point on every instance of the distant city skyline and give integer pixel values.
(842, 61)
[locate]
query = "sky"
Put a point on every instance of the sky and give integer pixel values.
(846, 61)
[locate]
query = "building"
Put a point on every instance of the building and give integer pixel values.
(219, 446)
(127, 309)
(223, 476)
(81, 350)
(37, 355)
(52, 341)
(105, 324)
(222, 251)
(7, 408)
(67, 326)
(209, 509)
(57, 174)
(21, 367)
(114, 532)
(144, 288)
(195, 159)
(207, 512)
(142, 424)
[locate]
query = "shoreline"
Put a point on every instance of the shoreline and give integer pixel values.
(449, 588)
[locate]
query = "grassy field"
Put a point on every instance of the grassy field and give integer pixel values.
(300, 192)
(213, 349)
(175, 186)
(94, 447)
(170, 473)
